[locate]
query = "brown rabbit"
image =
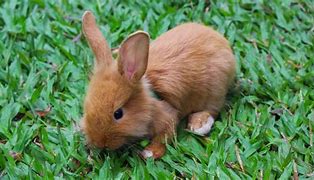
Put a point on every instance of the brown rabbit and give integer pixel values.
(190, 67)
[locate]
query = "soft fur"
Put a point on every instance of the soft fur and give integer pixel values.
(190, 67)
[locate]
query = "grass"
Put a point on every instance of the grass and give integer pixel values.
(265, 132)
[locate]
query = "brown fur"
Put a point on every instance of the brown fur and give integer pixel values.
(190, 67)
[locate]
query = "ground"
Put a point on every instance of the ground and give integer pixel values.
(264, 132)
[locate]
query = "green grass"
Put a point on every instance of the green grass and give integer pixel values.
(265, 131)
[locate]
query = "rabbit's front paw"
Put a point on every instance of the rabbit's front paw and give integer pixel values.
(156, 151)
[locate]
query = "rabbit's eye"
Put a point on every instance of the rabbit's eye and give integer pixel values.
(118, 114)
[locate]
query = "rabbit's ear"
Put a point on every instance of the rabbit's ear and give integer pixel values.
(133, 56)
(96, 40)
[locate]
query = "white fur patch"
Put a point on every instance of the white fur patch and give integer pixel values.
(147, 153)
(206, 127)
(146, 83)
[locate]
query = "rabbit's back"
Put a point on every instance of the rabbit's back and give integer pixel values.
(191, 67)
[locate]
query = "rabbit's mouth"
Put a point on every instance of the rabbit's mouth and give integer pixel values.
(132, 143)
(131, 140)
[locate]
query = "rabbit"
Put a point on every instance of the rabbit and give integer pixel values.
(190, 68)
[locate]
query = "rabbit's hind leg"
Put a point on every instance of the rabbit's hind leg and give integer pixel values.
(200, 122)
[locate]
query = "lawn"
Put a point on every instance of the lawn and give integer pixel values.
(264, 132)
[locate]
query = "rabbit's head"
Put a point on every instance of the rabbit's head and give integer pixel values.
(117, 108)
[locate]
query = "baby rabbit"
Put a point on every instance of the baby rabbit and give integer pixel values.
(189, 67)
